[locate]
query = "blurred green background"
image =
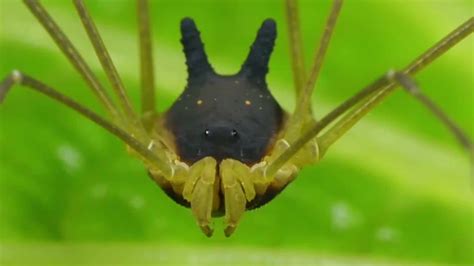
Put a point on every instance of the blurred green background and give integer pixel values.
(396, 189)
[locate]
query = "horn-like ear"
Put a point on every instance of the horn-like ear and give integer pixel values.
(193, 48)
(256, 64)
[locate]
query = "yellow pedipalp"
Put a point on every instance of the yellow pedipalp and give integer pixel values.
(234, 196)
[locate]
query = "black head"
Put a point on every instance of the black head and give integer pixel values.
(233, 116)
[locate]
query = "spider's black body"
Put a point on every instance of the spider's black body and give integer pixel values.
(225, 116)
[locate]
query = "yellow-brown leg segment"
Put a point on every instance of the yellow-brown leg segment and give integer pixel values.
(365, 100)
(241, 184)
(196, 183)
(238, 188)
(199, 191)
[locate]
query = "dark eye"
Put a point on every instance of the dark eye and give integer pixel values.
(234, 133)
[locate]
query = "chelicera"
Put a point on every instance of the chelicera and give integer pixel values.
(225, 145)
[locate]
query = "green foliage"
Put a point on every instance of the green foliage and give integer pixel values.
(396, 188)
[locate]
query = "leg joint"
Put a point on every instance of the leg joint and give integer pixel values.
(17, 76)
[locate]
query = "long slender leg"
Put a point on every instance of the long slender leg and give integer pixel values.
(302, 115)
(73, 56)
(418, 64)
(304, 101)
(296, 45)
(349, 120)
(368, 99)
(149, 155)
(410, 86)
(134, 124)
(318, 126)
(146, 59)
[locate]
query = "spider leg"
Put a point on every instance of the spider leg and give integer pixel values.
(241, 184)
(320, 54)
(74, 57)
(239, 188)
(406, 82)
(133, 123)
(197, 185)
(198, 189)
(392, 79)
(296, 46)
(413, 89)
(302, 115)
(150, 156)
(367, 99)
(146, 60)
(234, 198)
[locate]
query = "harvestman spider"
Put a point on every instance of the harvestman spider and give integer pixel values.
(225, 145)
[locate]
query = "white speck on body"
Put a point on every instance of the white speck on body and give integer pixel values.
(150, 145)
(247, 102)
(199, 102)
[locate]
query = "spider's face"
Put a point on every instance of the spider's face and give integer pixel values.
(224, 117)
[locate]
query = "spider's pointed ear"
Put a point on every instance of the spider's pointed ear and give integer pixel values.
(196, 58)
(255, 66)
